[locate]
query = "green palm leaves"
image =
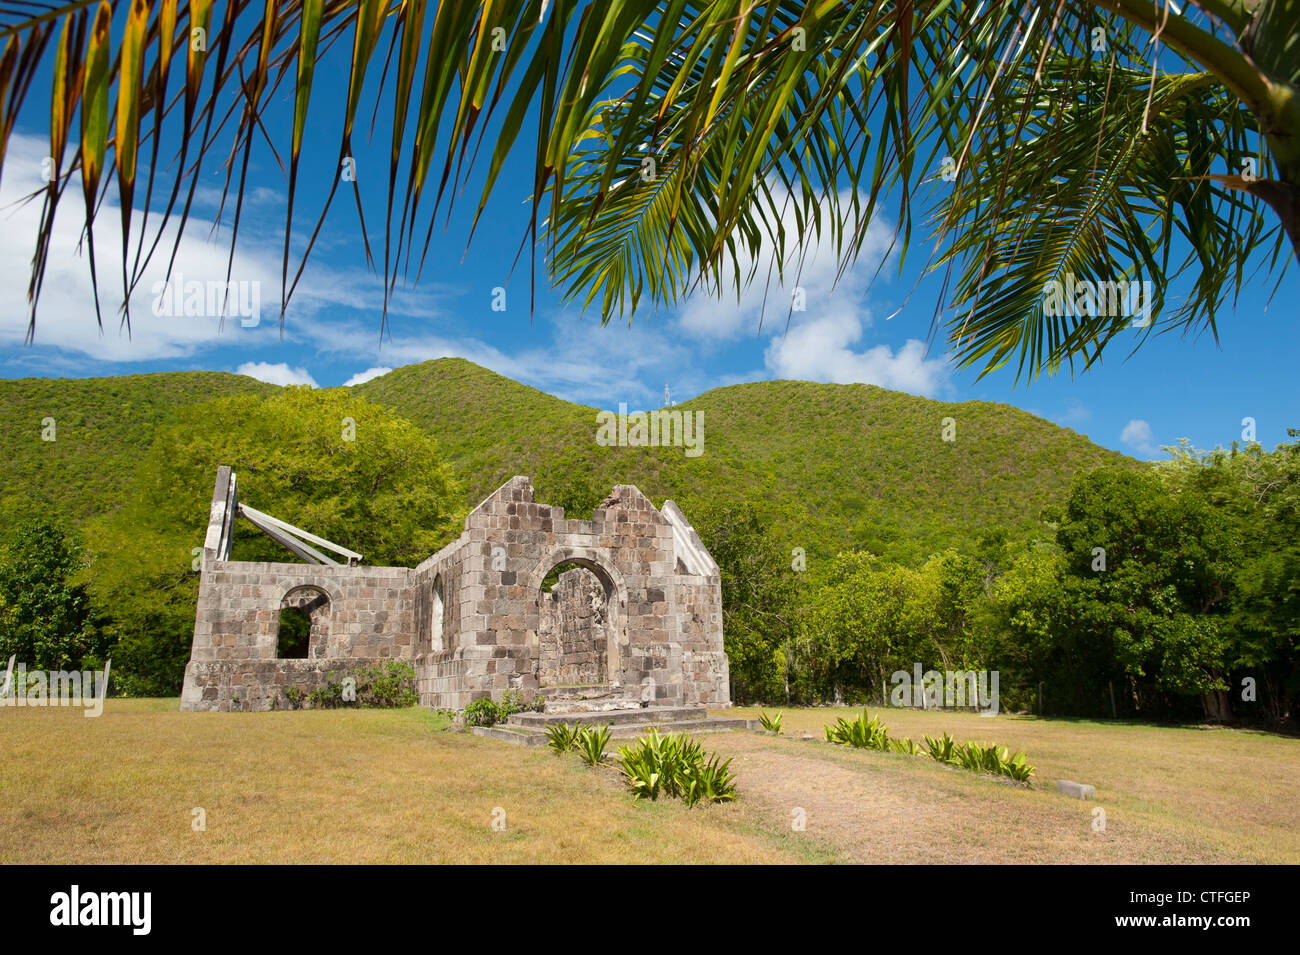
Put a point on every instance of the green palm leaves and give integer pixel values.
(1095, 183)
(686, 144)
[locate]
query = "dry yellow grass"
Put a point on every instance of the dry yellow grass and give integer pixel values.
(393, 786)
(328, 786)
(1170, 794)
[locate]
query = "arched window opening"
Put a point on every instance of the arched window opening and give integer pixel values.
(304, 624)
(438, 613)
(294, 636)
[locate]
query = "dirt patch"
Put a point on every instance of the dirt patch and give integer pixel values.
(883, 808)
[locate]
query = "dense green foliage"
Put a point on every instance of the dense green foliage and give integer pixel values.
(1169, 593)
(45, 614)
(833, 467)
(381, 685)
(100, 428)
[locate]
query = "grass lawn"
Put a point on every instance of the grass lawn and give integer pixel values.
(394, 786)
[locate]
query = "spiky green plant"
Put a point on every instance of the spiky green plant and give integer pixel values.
(943, 750)
(1017, 767)
(905, 746)
(675, 766)
(863, 733)
(563, 737)
(770, 723)
(591, 742)
(709, 780)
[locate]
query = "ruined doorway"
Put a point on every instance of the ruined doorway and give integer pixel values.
(576, 629)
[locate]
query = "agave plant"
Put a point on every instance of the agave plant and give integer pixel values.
(709, 780)
(943, 750)
(1017, 767)
(906, 746)
(676, 766)
(591, 743)
(770, 723)
(680, 143)
(864, 733)
(643, 765)
(563, 737)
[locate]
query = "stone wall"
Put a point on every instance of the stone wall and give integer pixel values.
(662, 614)
(369, 617)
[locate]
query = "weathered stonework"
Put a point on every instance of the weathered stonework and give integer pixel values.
(473, 620)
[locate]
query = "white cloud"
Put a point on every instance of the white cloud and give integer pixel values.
(814, 269)
(819, 350)
(1137, 435)
(370, 374)
(66, 316)
(814, 341)
(276, 374)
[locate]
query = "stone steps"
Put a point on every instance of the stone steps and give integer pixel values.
(529, 729)
(630, 713)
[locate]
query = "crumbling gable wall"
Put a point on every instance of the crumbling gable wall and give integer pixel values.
(664, 599)
(233, 662)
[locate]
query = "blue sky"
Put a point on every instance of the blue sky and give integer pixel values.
(1174, 387)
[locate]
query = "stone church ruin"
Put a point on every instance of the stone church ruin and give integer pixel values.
(618, 612)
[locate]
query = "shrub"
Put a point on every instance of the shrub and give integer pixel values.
(384, 685)
(770, 723)
(942, 750)
(979, 757)
(1017, 767)
(709, 781)
(905, 746)
(676, 766)
(863, 733)
(511, 703)
(484, 712)
(562, 737)
(295, 695)
(995, 761)
(591, 743)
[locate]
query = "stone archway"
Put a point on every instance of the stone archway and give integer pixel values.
(578, 623)
(315, 604)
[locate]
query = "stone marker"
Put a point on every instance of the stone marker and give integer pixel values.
(1075, 790)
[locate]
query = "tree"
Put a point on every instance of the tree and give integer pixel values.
(691, 143)
(760, 595)
(1259, 494)
(335, 465)
(873, 617)
(1150, 572)
(45, 616)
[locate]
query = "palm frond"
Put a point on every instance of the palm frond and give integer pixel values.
(756, 113)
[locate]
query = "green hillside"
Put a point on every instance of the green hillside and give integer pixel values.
(101, 427)
(844, 465)
(840, 465)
